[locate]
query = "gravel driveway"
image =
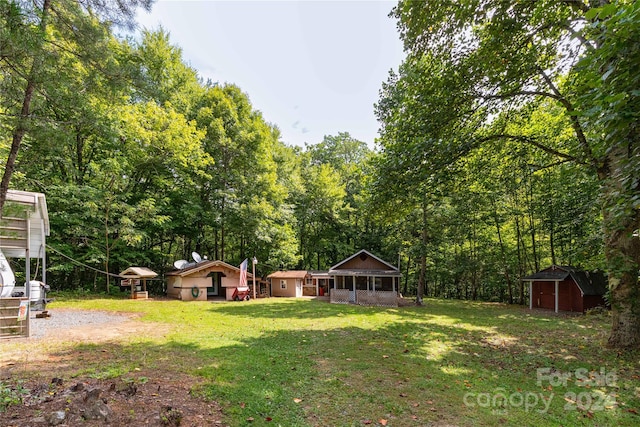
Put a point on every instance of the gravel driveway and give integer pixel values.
(61, 320)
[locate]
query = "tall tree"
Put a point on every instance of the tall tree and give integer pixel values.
(34, 34)
(492, 57)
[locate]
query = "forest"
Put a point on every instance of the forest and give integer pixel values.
(508, 142)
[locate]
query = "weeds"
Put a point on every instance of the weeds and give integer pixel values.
(11, 395)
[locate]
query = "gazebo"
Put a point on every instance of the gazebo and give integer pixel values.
(133, 276)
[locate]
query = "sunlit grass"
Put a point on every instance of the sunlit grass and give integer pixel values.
(310, 363)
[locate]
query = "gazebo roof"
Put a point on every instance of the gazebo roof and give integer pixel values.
(138, 273)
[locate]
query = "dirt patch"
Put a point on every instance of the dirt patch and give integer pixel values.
(143, 400)
(39, 380)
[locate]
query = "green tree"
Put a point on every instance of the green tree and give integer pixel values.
(350, 160)
(320, 210)
(469, 61)
(33, 37)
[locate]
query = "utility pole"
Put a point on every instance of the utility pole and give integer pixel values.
(255, 261)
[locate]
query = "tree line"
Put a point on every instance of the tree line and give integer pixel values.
(508, 142)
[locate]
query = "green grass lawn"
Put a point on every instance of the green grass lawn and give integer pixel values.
(300, 362)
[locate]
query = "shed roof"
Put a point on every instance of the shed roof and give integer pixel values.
(291, 274)
(589, 282)
(138, 273)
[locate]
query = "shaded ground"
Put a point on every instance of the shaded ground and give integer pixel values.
(40, 381)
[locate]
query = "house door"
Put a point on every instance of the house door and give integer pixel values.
(213, 290)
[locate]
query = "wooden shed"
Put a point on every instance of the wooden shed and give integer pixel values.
(202, 280)
(288, 283)
(565, 288)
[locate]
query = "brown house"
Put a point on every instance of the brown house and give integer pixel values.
(365, 279)
(205, 279)
(564, 288)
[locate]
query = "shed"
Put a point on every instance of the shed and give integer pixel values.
(365, 279)
(288, 283)
(204, 279)
(566, 288)
(132, 277)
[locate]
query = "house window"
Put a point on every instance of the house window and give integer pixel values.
(283, 284)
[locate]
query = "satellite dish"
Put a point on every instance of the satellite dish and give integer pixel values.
(196, 257)
(180, 264)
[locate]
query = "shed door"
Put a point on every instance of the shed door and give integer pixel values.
(298, 287)
(547, 296)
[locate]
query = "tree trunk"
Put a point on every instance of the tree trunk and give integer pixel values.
(505, 264)
(552, 245)
(106, 242)
(21, 127)
(532, 225)
(405, 289)
(423, 257)
(622, 249)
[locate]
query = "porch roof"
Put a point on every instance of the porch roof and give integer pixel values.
(385, 273)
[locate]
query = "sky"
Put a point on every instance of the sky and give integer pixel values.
(313, 68)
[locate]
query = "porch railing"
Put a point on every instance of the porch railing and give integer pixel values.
(340, 296)
(363, 297)
(377, 298)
